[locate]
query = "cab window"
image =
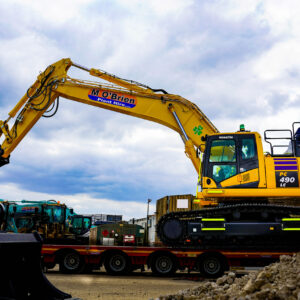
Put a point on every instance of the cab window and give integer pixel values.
(248, 149)
(222, 151)
(77, 223)
(87, 223)
(222, 172)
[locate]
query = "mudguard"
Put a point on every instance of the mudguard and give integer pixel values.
(21, 275)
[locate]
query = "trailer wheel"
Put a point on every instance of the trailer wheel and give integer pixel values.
(212, 265)
(116, 264)
(163, 265)
(71, 262)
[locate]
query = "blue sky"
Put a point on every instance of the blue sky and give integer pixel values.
(237, 60)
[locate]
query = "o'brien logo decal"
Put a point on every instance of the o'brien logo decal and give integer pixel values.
(113, 98)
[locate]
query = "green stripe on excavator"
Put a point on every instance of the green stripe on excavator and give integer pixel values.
(212, 219)
(213, 229)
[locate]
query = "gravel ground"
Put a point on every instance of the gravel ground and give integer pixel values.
(138, 286)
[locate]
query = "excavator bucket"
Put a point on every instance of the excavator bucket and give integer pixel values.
(21, 275)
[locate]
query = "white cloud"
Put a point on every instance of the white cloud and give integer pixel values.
(157, 7)
(281, 62)
(55, 12)
(282, 16)
(24, 56)
(233, 10)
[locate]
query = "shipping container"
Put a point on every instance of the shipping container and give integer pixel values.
(117, 234)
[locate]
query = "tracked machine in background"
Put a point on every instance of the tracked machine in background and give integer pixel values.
(54, 221)
(248, 198)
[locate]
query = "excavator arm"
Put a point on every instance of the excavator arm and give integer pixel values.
(112, 93)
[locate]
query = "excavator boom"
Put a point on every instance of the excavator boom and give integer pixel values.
(119, 95)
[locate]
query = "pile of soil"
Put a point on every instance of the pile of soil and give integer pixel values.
(277, 281)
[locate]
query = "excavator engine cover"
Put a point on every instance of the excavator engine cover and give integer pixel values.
(21, 275)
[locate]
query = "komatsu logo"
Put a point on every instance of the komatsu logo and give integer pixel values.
(225, 137)
(113, 98)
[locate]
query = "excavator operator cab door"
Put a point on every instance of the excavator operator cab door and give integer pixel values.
(230, 160)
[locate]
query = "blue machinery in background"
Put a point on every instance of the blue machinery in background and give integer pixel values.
(52, 220)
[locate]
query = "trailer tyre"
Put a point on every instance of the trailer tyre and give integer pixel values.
(117, 264)
(212, 265)
(163, 265)
(71, 263)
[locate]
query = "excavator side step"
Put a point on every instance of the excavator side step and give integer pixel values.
(21, 276)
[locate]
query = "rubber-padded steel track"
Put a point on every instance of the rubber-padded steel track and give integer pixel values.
(172, 228)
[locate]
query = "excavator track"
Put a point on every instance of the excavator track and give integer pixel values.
(236, 226)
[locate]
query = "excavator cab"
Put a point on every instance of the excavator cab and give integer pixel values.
(231, 161)
(236, 169)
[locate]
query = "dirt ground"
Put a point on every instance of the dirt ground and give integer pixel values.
(138, 286)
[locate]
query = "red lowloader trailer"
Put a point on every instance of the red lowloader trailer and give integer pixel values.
(163, 261)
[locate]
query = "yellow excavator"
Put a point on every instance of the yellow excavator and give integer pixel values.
(247, 197)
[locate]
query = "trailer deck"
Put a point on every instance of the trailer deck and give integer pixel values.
(162, 261)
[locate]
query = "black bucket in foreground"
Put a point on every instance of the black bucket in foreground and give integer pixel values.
(21, 275)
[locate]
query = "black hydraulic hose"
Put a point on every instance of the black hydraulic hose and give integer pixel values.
(50, 85)
(160, 90)
(42, 86)
(50, 110)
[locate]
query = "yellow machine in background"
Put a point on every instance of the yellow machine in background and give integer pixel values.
(235, 172)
